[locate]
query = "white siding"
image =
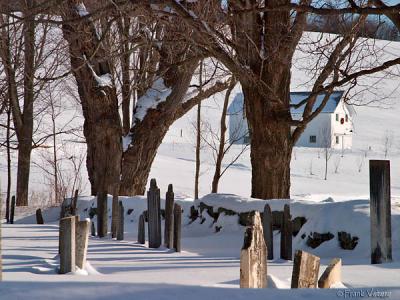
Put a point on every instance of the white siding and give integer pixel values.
(320, 127)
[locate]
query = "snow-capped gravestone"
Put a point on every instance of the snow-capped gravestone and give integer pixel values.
(154, 215)
(67, 245)
(120, 226)
(332, 274)
(39, 216)
(177, 227)
(169, 218)
(81, 242)
(381, 231)
(268, 233)
(286, 234)
(305, 270)
(253, 256)
(141, 230)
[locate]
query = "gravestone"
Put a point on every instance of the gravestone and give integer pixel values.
(141, 230)
(120, 229)
(253, 256)
(12, 213)
(177, 227)
(268, 233)
(67, 245)
(93, 229)
(286, 234)
(169, 218)
(380, 211)
(81, 243)
(332, 274)
(154, 215)
(305, 270)
(39, 216)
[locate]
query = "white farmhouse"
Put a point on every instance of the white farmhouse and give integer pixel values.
(332, 128)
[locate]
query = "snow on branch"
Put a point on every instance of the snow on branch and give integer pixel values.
(104, 80)
(81, 9)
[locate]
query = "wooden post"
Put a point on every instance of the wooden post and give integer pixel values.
(380, 211)
(169, 218)
(93, 229)
(305, 270)
(102, 214)
(114, 216)
(154, 215)
(268, 233)
(177, 227)
(8, 209)
(141, 230)
(12, 213)
(332, 274)
(1, 261)
(120, 230)
(74, 203)
(67, 245)
(39, 217)
(253, 256)
(286, 234)
(81, 243)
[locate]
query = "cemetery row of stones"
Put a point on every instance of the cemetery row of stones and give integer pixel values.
(314, 239)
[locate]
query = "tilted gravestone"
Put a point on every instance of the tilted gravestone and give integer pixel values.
(169, 218)
(12, 212)
(81, 242)
(39, 216)
(253, 256)
(154, 215)
(141, 230)
(268, 233)
(332, 274)
(286, 234)
(67, 245)
(380, 211)
(120, 229)
(305, 270)
(177, 227)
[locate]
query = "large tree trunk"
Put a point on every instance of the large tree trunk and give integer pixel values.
(271, 147)
(24, 162)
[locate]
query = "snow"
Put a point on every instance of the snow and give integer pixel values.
(126, 141)
(81, 9)
(157, 94)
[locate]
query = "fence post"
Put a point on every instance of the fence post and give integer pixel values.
(102, 214)
(268, 233)
(67, 245)
(141, 230)
(74, 203)
(8, 209)
(177, 227)
(286, 234)
(114, 216)
(169, 218)
(154, 215)
(380, 211)
(93, 229)
(39, 216)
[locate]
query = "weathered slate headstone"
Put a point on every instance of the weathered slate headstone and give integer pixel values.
(154, 215)
(114, 216)
(332, 274)
(12, 212)
(93, 229)
(120, 229)
(169, 218)
(286, 234)
(141, 230)
(177, 227)
(102, 214)
(39, 216)
(380, 211)
(268, 233)
(305, 270)
(253, 256)
(81, 243)
(67, 245)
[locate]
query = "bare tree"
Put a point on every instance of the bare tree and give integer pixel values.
(387, 142)
(326, 144)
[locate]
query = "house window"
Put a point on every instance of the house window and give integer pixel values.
(337, 117)
(313, 139)
(337, 139)
(347, 118)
